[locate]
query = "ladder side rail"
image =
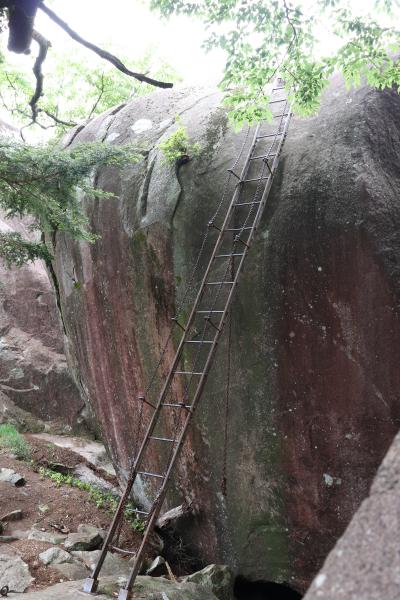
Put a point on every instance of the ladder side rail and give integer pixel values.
(201, 384)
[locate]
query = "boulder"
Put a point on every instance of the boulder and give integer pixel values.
(315, 323)
(364, 564)
(21, 419)
(146, 588)
(44, 536)
(217, 579)
(113, 565)
(86, 538)
(14, 573)
(72, 571)
(35, 382)
(11, 476)
(15, 515)
(55, 556)
(157, 567)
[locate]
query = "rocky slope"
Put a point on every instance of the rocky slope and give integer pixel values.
(315, 325)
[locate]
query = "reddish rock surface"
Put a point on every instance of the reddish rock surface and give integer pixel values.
(34, 373)
(314, 384)
(363, 565)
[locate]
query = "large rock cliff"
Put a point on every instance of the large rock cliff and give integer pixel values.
(35, 382)
(315, 326)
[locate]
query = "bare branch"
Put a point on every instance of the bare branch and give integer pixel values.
(289, 20)
(44, 46)
(99, 97)
(114, 60)
(57, 119)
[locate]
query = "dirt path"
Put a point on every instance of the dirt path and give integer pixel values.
(48, 507)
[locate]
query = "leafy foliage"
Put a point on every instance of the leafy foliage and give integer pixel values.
(16, 251)
(47, 184)
(178, 146)
(12, 440)
(75, 90)
(283, 37)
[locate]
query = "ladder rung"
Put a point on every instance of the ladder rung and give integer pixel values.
(138, 512)
(247, 203)
(279, 116)
(188, 373)
(278, 88)
(199, 341)
(264, 156)
(209, 312)
(269, 135)
(161, 439)
(238, 229)
(175, 405)
(221, 282)
(148, 474)
(256, 179)
(229, 255)
(276, 101)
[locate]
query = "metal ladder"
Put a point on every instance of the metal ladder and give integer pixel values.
(188, 373)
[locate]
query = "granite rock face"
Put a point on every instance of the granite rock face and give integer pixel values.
(14, 573)
(34, 375)
(364, 563)
(315, 325)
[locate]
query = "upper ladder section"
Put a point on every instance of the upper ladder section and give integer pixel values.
(185, 381)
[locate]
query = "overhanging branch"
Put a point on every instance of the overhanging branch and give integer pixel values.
(114, 60)
(44, 46)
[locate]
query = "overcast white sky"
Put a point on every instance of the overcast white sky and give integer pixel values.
(130, 27)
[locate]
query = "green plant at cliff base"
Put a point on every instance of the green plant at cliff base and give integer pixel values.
(101, 499)
(177, 148)
(12, 440)
(47, 184)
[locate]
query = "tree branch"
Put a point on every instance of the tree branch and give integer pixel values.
(44, 46)
(289, 20)
(99, 51)
(99, 97)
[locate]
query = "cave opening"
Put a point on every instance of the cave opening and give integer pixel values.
(245, 589)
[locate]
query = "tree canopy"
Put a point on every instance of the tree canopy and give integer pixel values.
(262, 39)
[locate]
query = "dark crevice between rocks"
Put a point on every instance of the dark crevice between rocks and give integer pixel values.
(244, 589)
(181, 192)
(53, 277)
(78, 129)
(113, 113)
(146, 185)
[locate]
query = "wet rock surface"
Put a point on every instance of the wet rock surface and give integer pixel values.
(314, 327)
